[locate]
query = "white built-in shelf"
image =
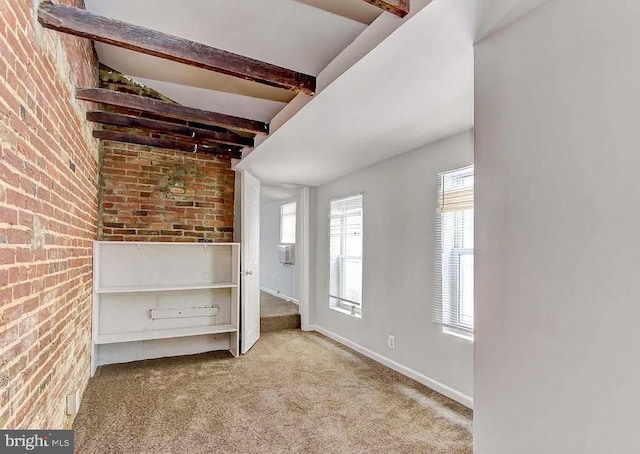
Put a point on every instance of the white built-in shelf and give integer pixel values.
(154, 300)
(165, 288)
(163, 334)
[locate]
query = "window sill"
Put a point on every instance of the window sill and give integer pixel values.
(346, 311)
(457, 333)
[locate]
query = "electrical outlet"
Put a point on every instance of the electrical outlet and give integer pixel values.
(392, 341)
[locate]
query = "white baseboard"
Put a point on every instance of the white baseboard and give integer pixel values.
(428, 382)
(279, 295)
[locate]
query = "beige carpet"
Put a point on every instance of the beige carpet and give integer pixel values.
(295, 392)
(277, 314)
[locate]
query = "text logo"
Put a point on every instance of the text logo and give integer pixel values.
(36, 441)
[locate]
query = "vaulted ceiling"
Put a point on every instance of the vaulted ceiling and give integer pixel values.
(210, 56)
(343, 84)
(414, 87)
(286, 33)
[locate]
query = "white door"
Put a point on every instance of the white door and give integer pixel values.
(250, 281)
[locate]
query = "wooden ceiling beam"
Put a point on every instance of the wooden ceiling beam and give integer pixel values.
(79, 22)
(170, 143)
(398, 7)
(170, 110)
(164, 127)
(177, 121)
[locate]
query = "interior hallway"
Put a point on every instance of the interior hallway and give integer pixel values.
(277, 314)
(293, 392)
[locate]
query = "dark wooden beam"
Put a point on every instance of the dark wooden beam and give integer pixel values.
(168, 143)
(397, 7)
(164, 127)
(177, 121)
(80, 22)
(167, 109)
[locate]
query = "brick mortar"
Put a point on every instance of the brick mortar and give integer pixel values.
(195, 192)
(45, 310)
(137, 179)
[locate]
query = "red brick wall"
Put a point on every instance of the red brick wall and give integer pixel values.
(48, 218)
(149, 194)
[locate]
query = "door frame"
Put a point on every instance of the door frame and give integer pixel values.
(303, 251)
(305, 259)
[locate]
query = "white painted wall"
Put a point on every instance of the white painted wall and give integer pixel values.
(557, 197)
(400, 197)
(274, 276)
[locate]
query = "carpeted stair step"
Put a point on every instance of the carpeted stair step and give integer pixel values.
(279, 323)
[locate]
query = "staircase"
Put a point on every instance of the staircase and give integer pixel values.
(277, 314)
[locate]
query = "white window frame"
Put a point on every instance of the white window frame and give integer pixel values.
(450, 317)
(295, 221)
(338, 303)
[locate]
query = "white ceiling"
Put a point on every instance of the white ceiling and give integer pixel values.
(275, 192)
(414, 88)
(357, 10)
(229, 103)
(492, 15)
(282, 32)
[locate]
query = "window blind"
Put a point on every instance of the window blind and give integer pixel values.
(345, 253)
(453, 298)
(288, 223)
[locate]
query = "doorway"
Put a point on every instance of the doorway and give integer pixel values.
(280, 250)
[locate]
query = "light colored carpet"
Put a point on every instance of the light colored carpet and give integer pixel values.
(271, 306)
(295, 392)
(277, 314)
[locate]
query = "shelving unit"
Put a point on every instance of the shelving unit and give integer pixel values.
(164, 288)
(154, 300)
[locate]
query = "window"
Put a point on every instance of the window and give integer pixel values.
(453, 302)
(345, 255)
(288, 223)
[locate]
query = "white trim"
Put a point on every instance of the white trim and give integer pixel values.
(352, 312)
(304, 254)
(279, 295)
(423, 379)
(458, 333)
(94, 308)
(165, 288)
(118, 338)
(145, 243)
